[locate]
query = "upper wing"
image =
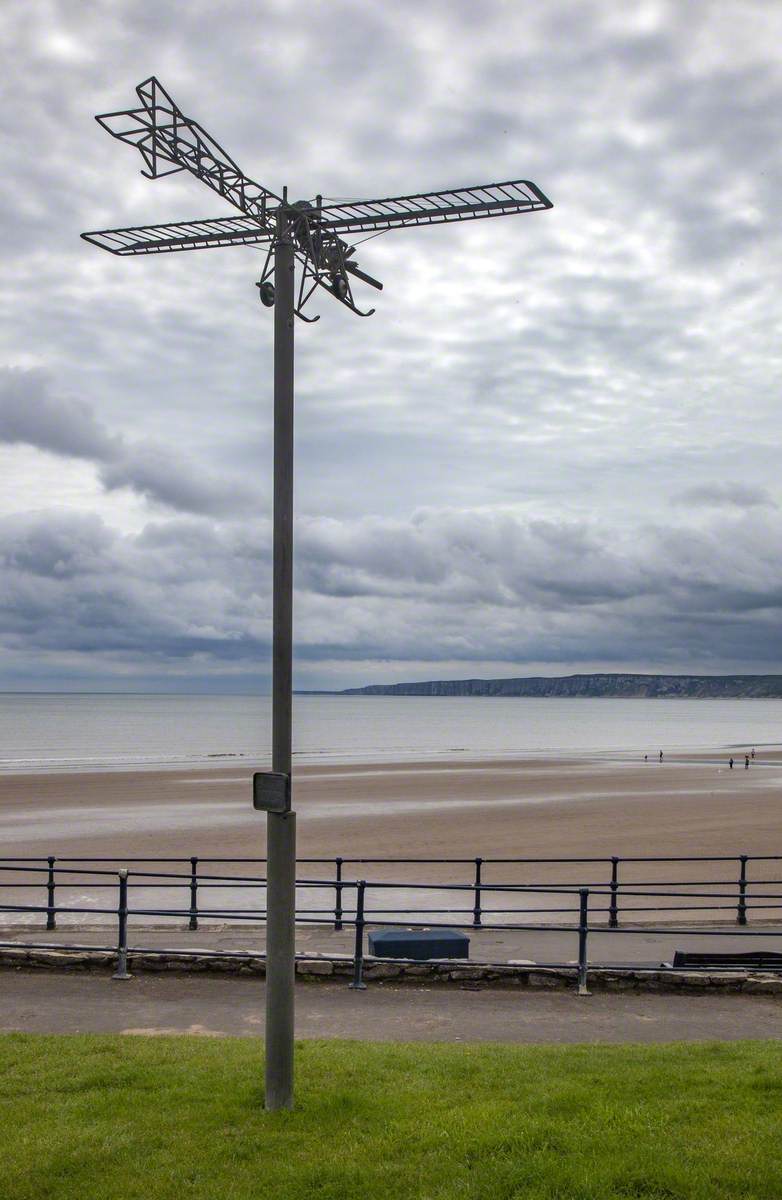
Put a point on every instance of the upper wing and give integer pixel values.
(169, 141)
(434, 208)
(184, 235)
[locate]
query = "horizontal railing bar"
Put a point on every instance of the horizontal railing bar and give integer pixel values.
(627, 888)
(761, 902)
(642, 930)
(396, 859)
(684, 932)
(253, 914)
(56, 946)
(673, 908)
(556, 889)
(38, 908)
(60, 870)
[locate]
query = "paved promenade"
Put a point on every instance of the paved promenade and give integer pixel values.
(61, 1002)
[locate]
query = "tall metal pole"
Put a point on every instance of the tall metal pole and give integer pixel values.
(327, 262)
(281, 827)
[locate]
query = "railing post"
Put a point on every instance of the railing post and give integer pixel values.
(476, 912)
(613, 908)
(583, 930)
(193, 894)
(741, 912)
(51, 920)
(338, 890)
(122, 940)
(358, 957)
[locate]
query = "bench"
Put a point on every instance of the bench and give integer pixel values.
(757, 959)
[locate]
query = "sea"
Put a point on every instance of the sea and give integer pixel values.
(89, 731)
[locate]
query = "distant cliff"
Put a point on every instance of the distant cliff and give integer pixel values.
(643, 687)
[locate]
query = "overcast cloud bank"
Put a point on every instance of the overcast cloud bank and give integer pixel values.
(187, 595)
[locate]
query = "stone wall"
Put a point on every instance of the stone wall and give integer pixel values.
(380, 971)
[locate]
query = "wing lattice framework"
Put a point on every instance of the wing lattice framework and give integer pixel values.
(169, 141)
(183, 235)
(434, 208)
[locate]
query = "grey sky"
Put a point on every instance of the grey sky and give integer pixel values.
(555, 446)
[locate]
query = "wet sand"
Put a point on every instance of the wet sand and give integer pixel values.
(523, 808)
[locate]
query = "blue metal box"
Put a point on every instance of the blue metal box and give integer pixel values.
(419, 943)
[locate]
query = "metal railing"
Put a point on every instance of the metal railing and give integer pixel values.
(616, 886)
(589, 908)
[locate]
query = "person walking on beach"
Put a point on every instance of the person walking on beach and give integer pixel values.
(730, 763)
(661, 756)
(746, 762)
(752, 752)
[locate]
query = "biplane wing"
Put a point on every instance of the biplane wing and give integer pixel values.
(183, 235)
(434, 208)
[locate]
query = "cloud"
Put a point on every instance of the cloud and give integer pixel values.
(716, 495)
(32, 415)
(466, 588)
(175, 591)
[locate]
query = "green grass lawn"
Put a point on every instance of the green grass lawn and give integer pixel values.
(153, 1118)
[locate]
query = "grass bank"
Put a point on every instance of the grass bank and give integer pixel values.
(159, 1118)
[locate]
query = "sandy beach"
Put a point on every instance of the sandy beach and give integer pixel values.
(585, 808)
(513, 808)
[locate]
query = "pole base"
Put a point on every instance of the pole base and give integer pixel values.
(357, 987)
(122, 975)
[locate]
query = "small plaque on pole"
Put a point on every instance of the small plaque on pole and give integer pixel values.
(272, 791)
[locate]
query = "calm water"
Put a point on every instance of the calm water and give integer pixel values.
(91, 731)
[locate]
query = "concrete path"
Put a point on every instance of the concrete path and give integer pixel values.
(44, 1002)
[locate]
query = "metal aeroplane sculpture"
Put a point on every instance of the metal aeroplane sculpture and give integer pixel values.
(169, 142)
